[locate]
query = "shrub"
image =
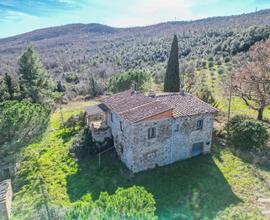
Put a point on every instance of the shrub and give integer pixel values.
(75, 121)
(246, 133)
(227, 59)
(82, 144)
(123, 81)
(210, 64)
(210, 59)
(206, 95)
(220, 71)
(72, 78)
(219, 62)
(131, 203)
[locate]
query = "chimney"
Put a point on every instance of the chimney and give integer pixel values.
(133, 88)
(182, 92)
(151, 94)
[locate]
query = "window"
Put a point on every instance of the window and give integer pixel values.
(199, 124)
(121, 126)
(176, 128)
(151, 132)
(111, 117)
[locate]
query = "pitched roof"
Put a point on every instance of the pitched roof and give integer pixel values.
(134, 106)
(95, 109)
(186, 104)
(126, 100)
(145, 111)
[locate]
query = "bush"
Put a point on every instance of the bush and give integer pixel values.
(75, 121)
(210, 64)
(246, 133)
(131, 203)
(220, 71)
(123, 81)
(206, 95)
(72, 78)
(227, 59)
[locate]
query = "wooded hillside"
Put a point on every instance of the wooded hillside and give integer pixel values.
(72, 53)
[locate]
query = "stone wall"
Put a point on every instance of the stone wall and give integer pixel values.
(173, 142)
(5, 199)
(101, 134)
(122, 139)
(188, 135)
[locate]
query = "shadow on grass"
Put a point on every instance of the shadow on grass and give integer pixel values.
(183, 190)
(67, 134)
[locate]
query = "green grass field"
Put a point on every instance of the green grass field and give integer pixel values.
(210, 186)
(215, 83)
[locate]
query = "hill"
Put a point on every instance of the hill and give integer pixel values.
(77, 51)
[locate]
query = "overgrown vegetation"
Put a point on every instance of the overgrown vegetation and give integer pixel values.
(123, 81)
(20, 124)
(53, 184)
(246, 133)
(109, 51)
(131, 203)
(220, 185)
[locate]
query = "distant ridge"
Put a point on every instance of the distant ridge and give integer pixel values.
(98, 48)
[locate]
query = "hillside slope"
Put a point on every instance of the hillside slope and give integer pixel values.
(85, 49)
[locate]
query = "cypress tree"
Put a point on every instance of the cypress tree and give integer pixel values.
(35, 82)
(172, 78)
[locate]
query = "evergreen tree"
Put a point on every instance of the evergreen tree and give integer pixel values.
(35, 82)
(172, 78)
(7, 88)
(60, 88)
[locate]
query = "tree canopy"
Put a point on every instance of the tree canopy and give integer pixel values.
(20, 123)
(172, 78)
(35, 82)
(123, 81)
(131, 203)
(252, 80)
(8, 88)
(246, 133)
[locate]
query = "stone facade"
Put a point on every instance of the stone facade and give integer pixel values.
(150, 131)
(174, 140)
(5, 199)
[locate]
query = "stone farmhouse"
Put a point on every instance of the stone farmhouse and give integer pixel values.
(153, 130)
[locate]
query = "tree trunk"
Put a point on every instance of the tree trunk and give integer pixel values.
(260, 113)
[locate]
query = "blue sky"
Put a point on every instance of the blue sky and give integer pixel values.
(19, 16)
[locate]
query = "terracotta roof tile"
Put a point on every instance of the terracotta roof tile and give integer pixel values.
(186, 105)
(126, 100)
(145, 111)
(135, 107)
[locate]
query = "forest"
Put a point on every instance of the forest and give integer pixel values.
(74, 54)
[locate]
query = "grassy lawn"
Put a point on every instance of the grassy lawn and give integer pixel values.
(204, 186)
(215, 83)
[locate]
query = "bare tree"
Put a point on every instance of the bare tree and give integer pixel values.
(252, 80)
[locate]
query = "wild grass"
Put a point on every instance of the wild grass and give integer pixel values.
(204, 187)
